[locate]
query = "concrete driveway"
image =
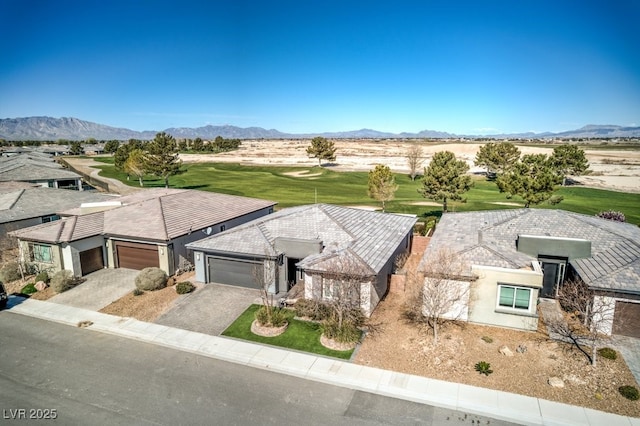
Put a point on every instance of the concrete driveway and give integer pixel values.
(210, 309)
(100, 289)
(629, 347)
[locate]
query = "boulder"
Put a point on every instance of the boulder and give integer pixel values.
(505, 351)
(555, 382)
(41, 285)
(573, 379)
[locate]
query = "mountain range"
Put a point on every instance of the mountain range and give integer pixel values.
(52, 129)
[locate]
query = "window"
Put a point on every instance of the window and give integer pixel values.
(51, 218)
(41, 253)
(514, 297)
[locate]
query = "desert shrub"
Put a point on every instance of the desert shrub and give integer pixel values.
(483, 367)
(137, 292)
(42, 276)
(487, 339)
(63, 281)
(347, 333)
(607, 353)
(629, 392)
(150, 279)
(10, 272)
(612, 215)
(313, 309)
(278, 316)
(28, 289)
(184, 287)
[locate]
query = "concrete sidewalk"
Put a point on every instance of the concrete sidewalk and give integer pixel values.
(473, 400)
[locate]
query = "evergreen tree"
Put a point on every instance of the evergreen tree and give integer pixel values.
(162, 157)
(445, 179)
(322, 149)
(497, 157)
(569, 160)
(533, 178)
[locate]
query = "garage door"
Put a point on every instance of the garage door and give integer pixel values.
(91, 260)
(136, 256)
(233, 272)
(626, 320)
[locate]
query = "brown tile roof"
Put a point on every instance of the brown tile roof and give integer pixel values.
(153, 214)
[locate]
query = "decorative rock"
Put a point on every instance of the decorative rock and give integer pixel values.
(555, 382)
(573, 379)
(505, 351)
(41, 285)
(260, 330)
(171, 281)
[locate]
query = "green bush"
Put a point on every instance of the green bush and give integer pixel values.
(629, 392)
(185, 287)
(278, 316)
(29, 289)
(313, 309)
(348, 333)
(63, 281)
(10, 272)
(42, 276)
(607, 353)
(150, 279)
(487, 339)
(138, 292)
(483, 367)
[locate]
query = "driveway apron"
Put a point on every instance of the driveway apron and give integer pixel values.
(99, 290)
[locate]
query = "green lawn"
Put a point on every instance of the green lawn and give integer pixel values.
(300, 335)
(350, 188)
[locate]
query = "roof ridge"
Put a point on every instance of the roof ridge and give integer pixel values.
(325, 207)
(15, 200)
(162, 217)
(63, 225)
(495, 252)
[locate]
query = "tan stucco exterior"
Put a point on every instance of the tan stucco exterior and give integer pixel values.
(483, 298)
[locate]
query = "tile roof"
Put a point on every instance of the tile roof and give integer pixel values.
(29, 168)
(19, 201)
(371, 236)
(488, 238)
(152, 214)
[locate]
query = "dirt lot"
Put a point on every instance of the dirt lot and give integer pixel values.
(611, 169)
(402, 345)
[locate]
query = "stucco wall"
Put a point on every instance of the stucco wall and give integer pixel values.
(483, 297)
(56, 263)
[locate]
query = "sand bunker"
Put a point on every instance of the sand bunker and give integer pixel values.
(302, 174)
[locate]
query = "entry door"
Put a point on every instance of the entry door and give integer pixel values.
(292, 272)
(553, 276)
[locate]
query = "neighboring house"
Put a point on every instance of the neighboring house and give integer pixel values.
(306, 244)
(25, 204)
(512, 257)
(40, 170)
(147, 228)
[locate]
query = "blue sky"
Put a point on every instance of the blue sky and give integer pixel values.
(466, 67)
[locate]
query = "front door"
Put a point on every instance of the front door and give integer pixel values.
(553, 276)
(292, 272)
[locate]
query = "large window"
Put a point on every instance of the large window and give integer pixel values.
(41, 253)
(514, 297)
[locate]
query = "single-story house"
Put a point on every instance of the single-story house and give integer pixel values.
(306, 245)
(510, 258)
(25, 204)
(147, 228)
(38, 170)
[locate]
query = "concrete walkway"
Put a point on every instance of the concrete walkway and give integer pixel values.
(629, 347)
(100, 289)
(473, 400)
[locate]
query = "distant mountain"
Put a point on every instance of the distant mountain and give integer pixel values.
(48, 128)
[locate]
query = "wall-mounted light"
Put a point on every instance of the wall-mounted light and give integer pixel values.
(107, 244)
(161, 250)
(197, 256)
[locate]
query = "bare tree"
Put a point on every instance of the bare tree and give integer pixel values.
(415, 160)
(442, 294)
(264, 276)
(587, 315)
(342, 287)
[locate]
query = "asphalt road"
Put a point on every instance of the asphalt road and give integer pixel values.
(84, 377)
